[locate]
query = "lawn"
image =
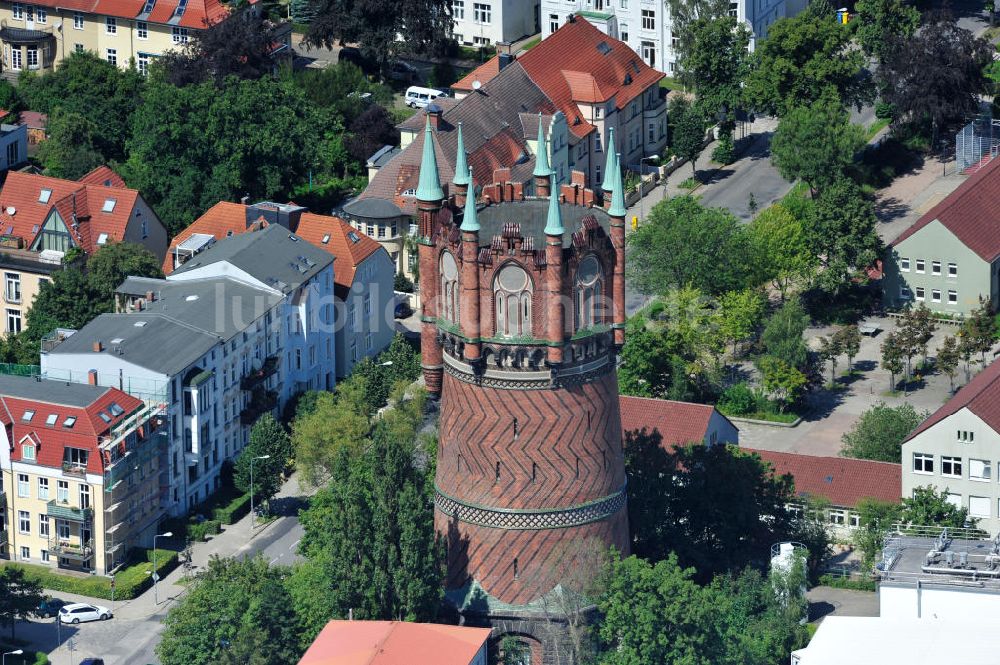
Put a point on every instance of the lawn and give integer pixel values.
(532, 43)
(670, 83)
(876, 127)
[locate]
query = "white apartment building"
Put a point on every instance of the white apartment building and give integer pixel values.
(234, 333)
(486, 22)
(646, 27)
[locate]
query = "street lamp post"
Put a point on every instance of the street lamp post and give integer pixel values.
(16, 652)
(156, 575)
(641, 160)
(252, 514)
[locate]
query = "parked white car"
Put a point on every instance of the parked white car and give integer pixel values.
(77, 612)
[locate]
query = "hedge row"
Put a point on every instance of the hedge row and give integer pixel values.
(233, 511)
(130, 582)
(200, 531)
(839, 582)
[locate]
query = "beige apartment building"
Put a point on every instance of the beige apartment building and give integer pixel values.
(37, 36)
(80, 484)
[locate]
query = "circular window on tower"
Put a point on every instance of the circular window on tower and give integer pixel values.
(589, 271)
(448, 267)
(512, 302)
(512, 278)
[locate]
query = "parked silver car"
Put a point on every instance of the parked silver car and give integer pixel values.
(77, 612)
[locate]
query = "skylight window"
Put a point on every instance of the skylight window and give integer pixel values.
(43, 196)
(115, 409)
(102, 239)
(109, 205)
(28, 415)
(105, 417)
(326, 238)
(69, 422)
(353, 236)
(51, 420)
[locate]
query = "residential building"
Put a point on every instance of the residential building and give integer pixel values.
(646, 25)
(363, 270)
(397, 642)
(487, 22)
(582, 92)
(13, 146)
(42, 218)
(957, 448)
(678, 423)
(950, 257)
(235, 332)
(83, 473)
(830, 488)
(523, 318)
(37, 36)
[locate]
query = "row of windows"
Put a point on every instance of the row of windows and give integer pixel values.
(954, 467)
(44, 486)
(921, 267)
(920, 294)
(481, 12)
(62, 528)
(979, 506)
(23, 12)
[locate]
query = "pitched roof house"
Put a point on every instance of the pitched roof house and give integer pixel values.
(947, 258)
(397, 643)
(679, 423)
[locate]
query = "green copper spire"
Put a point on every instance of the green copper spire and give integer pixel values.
(470, 220)
(553, 223)
(617, 208)
(461, 162)
(542, 168)
(429, 186)
(611, 165)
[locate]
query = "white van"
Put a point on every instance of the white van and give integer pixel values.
(418, 98)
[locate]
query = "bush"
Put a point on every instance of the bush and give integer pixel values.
(130, 582)
(884, 110)
(402, 283)
(233, 511)
(738, 400)
(839, 582)
(27, 658)
(725, 151)
(200, 531)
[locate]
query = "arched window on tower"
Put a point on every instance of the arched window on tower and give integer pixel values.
(449, 309)
(589, 294)
(512, 297)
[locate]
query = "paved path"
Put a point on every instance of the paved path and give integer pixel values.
(825, 600)
(131, 636)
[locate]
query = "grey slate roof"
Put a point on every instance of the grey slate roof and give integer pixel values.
(372, 208)
(272, 255)
(531, 214)
(79, 395)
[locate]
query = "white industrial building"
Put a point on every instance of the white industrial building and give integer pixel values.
(232, 334)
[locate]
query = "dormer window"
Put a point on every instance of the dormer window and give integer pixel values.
(43, 196)
(28, 452)
(109, 205)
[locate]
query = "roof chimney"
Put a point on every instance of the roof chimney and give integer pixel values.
(98, 347)
(504, 59)
(434, 115)
(92, 376)
(505, 48)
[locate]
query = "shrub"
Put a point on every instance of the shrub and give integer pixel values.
(738, 399)
(200, 531)
(884, 111)
(838, 582)
(233, 511)
(725, 151)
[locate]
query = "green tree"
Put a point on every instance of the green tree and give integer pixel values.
(880, 431)
(892, 357)
(947, 359)
(333, 88)
(715, 64)
(718, 508)
(816, 143)
(86, 85)
(782, 336)
(875, 519)
(803, 59)
(376, 25)
(398, 364)
(850, 341)
(338, 421)
(244, 49)
(235, 604)
(782, 380)
(108, 267)
(742, 312)
(680, 244)
(268, 439)
(841, 232)
(979, 330)
(69, 151)
(685, 14)
(928, 507)
(10, 98)
(780, 252)
(830, 348)
(19, 596)
(881, 25)
(688, 137)
(191, 147)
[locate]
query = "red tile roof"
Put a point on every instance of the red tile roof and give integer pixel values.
(103, 175)
(482, 73)
(52, 439)
(679, 423)
(595, 75)
(970, 212)
(197, 15)
(842, 480)
(394, 643)
(330, 234)
(981, 396)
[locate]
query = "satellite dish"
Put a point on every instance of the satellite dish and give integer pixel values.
(476, 85)
(11, 210)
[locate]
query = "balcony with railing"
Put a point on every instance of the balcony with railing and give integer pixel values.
(261, 402)
(74, 468)
(3, 537)
(259, 376)
(72, 549)
(65, 511)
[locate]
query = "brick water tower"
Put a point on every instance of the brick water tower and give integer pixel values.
(523, 318)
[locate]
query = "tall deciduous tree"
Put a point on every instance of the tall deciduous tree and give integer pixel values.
(19, 596)
(841, 232)
(929, 507)
(375, 26)
(934, 79)
(237, 611)
(804, 58)
(684, 14)
(336, 421)
(682, 243)
(715, 63)
(782, 336)
(780, 252)
(880, 431)
(242, 48)
(947, 359)
(783, 381)
(688, 133)
(892, 357)
(850, 341)
(69, 151)
(268, 439)
(108, 267)
(816, 143)
(742, 312)
(882, 25)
